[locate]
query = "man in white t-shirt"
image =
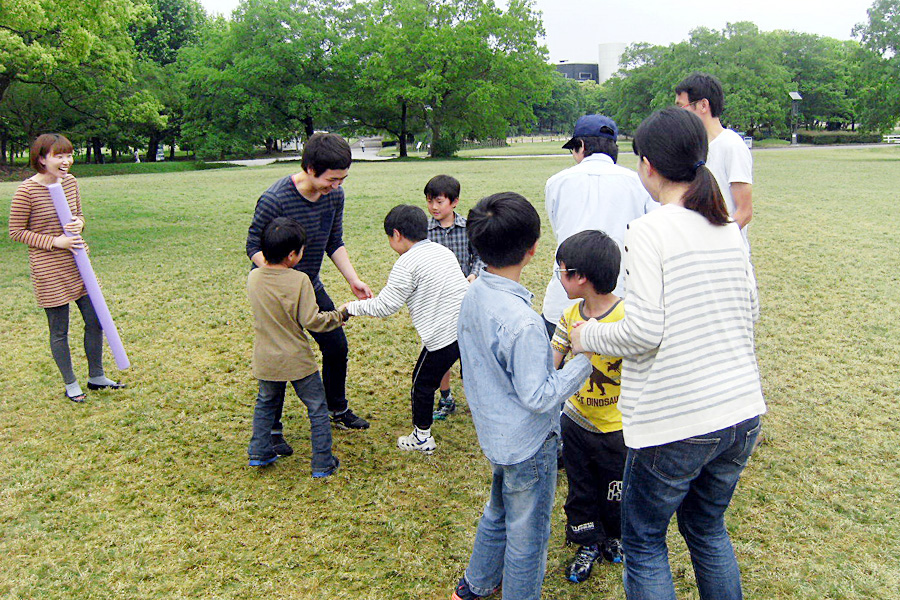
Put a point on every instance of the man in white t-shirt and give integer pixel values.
(594, 194)
(729, 158)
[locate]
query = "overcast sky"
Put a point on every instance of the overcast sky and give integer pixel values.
(575, 27)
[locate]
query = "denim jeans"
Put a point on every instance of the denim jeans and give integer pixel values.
(694, 478)
(512, 536)
(269, 403)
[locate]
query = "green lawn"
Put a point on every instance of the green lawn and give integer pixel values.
(145, 493)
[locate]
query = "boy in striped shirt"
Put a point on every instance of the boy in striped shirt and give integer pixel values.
(426, 278)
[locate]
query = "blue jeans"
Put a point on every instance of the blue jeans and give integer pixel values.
(694, 478)
(267, 414)
(512, 536)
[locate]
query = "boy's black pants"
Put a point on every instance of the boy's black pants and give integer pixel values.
(426, 379)
(595, 463)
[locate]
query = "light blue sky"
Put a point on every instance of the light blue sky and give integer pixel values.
(575, 27)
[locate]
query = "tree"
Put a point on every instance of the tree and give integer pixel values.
(461, 67)
(879, 74)
(168, 26)
(263, 76)
(56, 46)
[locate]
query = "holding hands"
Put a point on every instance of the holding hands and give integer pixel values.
(575, 339)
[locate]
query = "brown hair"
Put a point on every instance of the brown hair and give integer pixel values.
(48, 143)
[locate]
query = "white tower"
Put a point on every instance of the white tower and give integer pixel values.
(609, 56)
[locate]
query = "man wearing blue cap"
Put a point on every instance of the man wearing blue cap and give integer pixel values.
(594, 194)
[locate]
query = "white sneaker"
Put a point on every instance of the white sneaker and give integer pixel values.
(414, 442)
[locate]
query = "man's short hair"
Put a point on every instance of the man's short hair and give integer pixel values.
(48, 143)
(698, 86)
(502, 228)
(409, 220)
(600, 145)
(280, 237)
(442, 185)
(594, 255)
(325, 151)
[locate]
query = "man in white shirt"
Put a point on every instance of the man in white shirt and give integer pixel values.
(594, 194)
(729, 158)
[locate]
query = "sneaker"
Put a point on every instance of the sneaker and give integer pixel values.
(348, 420)
(263, 462)
(580, 569)
(414, 442)
(612, 550)
(329, 471)
(446, 407)
(280, 445)
(462, 591)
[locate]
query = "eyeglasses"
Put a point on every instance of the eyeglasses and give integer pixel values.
(688, 104)
(558, 272)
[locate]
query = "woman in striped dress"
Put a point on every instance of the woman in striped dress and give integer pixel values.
(691, 398)
(33, 221)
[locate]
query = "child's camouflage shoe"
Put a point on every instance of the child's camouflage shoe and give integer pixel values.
(446, 407)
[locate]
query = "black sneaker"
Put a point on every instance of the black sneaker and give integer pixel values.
(280, 445)
(580, 569)
(462, 591)
(612, 550)
(348, 420)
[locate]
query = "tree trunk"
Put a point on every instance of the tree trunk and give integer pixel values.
(3, 139)
(87, 154)
(98, 153)
(270, 143)
(113, 153)
(152, 146)
(172, 151)
(308, 127)
(403, 130)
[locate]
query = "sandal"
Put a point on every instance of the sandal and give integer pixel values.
(78, 398)
(116, 385)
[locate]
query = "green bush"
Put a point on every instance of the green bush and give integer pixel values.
(837, 137)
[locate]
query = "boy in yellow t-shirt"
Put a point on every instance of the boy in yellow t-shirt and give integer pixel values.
(593, 447)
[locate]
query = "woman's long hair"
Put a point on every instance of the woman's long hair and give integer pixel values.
(674, 141)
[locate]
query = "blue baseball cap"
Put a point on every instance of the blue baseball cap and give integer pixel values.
(593, 126)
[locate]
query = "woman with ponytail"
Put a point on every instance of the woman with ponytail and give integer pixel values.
(691, 398)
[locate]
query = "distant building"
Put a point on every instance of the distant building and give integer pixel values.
(609, 57)
(579, 71)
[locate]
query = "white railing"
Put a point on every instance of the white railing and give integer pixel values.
(891, 139)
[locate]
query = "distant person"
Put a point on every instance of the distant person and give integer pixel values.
(514, 393)
(594, 194)
(691, 398)
(314, 198)
(729, 157)
(284, 304)
(34, 222)
(428, 280)
(449, 229)
(137, 156)
(591, 424)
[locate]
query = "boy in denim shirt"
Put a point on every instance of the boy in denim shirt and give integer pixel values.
(515, 395)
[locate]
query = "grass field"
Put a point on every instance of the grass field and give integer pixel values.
(145, 493)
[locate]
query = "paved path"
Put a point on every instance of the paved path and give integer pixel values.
(365, 150)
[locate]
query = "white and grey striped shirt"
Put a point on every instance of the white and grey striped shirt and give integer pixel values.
(687, 336)
(426, 278)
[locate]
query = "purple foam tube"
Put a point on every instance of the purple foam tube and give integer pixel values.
(90, 280)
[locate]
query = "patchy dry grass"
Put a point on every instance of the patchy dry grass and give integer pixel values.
(146, 493)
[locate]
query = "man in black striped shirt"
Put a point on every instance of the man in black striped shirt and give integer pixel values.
(314, 198)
